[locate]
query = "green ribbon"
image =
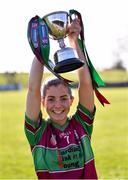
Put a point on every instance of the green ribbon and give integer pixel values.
(95, 76)
(99, 82)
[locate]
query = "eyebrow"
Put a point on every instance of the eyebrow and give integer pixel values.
(60, 96)
(63, 96)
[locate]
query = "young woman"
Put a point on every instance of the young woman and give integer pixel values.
(61, 146)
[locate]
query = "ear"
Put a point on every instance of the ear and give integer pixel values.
(72, 99)
(43, 101)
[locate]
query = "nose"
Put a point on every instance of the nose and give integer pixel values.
(57, 104)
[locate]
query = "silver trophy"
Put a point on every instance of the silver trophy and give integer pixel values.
(66, 58)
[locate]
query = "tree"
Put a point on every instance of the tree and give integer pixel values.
(121, 53)
(10, 77)
(119, 65)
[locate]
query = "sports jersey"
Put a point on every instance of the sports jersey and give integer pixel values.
(63, 152)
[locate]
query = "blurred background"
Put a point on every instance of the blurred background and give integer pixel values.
(106, 39)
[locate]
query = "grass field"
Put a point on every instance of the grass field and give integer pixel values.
(109, 141)
(107, 75)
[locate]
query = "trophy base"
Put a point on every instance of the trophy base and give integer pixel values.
(68, 65)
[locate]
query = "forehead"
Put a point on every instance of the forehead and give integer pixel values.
(58, 90)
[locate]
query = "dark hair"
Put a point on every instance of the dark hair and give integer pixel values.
(54, 82)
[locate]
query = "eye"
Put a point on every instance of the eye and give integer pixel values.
(64, 99)
(51, 100)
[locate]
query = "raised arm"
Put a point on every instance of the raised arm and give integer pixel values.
(33, 100)
(86, 95)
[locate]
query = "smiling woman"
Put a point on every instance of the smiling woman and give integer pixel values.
(50, 138)
(105, 22)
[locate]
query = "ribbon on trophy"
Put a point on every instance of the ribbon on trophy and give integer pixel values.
(38, 37)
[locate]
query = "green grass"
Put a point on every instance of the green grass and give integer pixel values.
(114, 75)
(108, 76)
(15, 156)
(110, 136)
(109, 140)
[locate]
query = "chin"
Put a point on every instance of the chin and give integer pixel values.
(60, 120)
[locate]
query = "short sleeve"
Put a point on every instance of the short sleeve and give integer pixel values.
(34, 130)
(85, 117)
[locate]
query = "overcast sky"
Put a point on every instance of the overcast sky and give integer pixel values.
(105, 24)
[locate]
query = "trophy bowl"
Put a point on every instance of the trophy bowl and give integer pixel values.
(66, 58)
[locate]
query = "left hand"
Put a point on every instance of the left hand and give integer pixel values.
(74, 30)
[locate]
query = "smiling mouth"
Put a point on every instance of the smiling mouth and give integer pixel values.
(58, 112)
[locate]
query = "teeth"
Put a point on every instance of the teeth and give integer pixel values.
(58, 112)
